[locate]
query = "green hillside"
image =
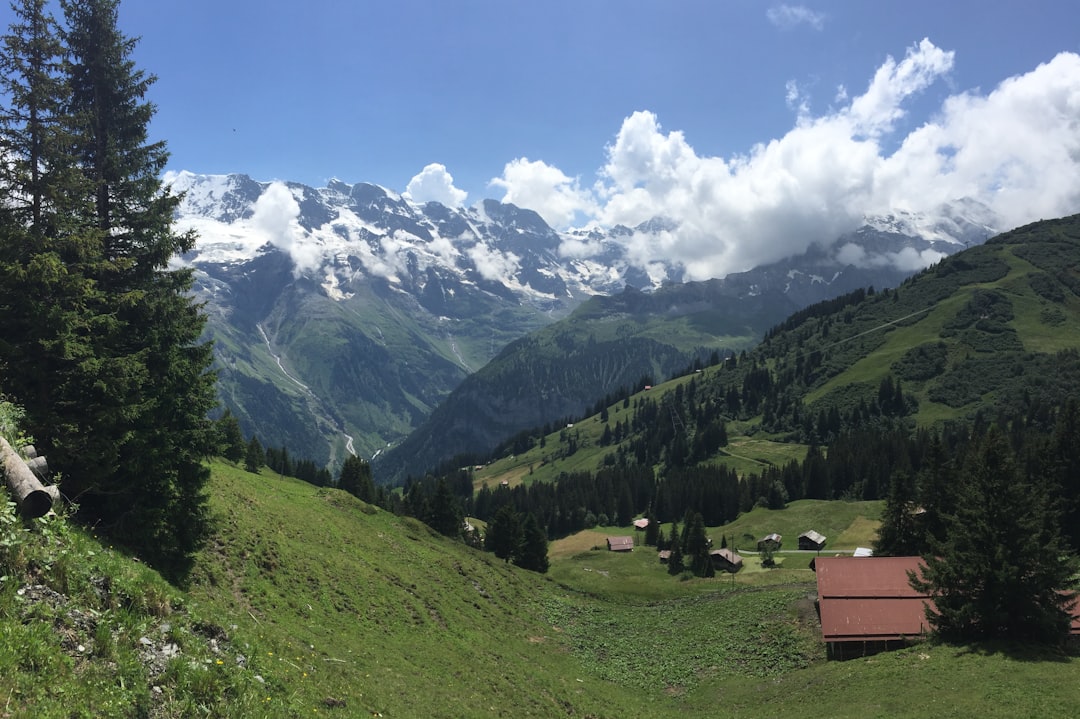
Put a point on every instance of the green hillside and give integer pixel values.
(995, 328)
(308, 602)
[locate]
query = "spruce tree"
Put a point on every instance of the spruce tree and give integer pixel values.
(899, 534)
(254, 458)
(675, 561)
(355, 478)
(446, 517)
(230, 437)
(1003, 567)
(534, 548)
(133, 450)
(505, 535)
(44, 334)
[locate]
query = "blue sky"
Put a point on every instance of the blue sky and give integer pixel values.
(615, 110)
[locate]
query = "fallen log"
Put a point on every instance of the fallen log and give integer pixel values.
(33, 498)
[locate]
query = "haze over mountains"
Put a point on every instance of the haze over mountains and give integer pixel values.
(344, 315)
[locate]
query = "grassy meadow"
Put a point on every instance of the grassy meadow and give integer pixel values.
(308, 602)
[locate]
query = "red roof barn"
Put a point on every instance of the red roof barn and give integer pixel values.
(869, 599)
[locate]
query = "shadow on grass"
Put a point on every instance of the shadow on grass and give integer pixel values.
(1019, 651)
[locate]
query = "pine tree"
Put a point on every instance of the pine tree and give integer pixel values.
(675, 561)
(1003, 567)
(652, 529)
(355, 478)
(43, 335)
(534, 549)
(447, 517)
(254, 458)
(230, 437)
(100, 337)
(899, 534)
(505, 535)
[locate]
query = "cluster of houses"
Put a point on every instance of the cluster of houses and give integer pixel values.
(725, 560)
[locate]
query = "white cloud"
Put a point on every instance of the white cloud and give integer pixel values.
(1016, 150)
(789, 16)
(275, 219)
(494, 265)
(544, 189)
(435, 184)
(875, 111)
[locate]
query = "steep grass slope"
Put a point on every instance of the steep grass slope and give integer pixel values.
(311, 603)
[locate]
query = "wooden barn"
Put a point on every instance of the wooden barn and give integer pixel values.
(770, 541)
(726, 560)
(811, 540)
(620, 544)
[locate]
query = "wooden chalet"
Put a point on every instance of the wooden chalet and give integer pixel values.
(641, 524)
(665, 556)
(726, 560)
(770, 541)
(620, 544)
(811, 540)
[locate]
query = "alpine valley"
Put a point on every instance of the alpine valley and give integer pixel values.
(344, 316)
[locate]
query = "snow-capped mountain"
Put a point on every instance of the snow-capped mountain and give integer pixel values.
(343, 315)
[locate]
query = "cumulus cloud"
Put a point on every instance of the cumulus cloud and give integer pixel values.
(275, 218)
(494, 265)
(1014, 151)
(545, 189)
(789, 16)
(435, 184)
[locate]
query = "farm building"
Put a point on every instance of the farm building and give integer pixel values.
(811, 540)
(726, 560)
(770, 541)
(620, 544)
(665, 556)
(867, 604)
(641, 524)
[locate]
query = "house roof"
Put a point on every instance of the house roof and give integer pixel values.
(869, 599)
(620, 543)
(866, 577)
(727, 555)
(774, 537)
(813, 537)
(641, 523)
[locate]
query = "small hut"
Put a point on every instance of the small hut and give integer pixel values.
(811, 540)
(620, 544)
(771, 542)
(726, 560)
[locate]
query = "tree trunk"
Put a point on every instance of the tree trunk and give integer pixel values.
(33, 499)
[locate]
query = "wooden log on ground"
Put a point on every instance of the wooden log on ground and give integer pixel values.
(32, 498)
(40, 467)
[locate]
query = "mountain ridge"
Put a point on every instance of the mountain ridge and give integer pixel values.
(426, 293)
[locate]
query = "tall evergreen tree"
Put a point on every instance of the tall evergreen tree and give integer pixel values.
(43, 334)
(505, 535)
(899, 534)
(254, 457)
(355, 478)
(1003, 567)
(230, 437)
(446, 517)
(135, 459)
(534, 548)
